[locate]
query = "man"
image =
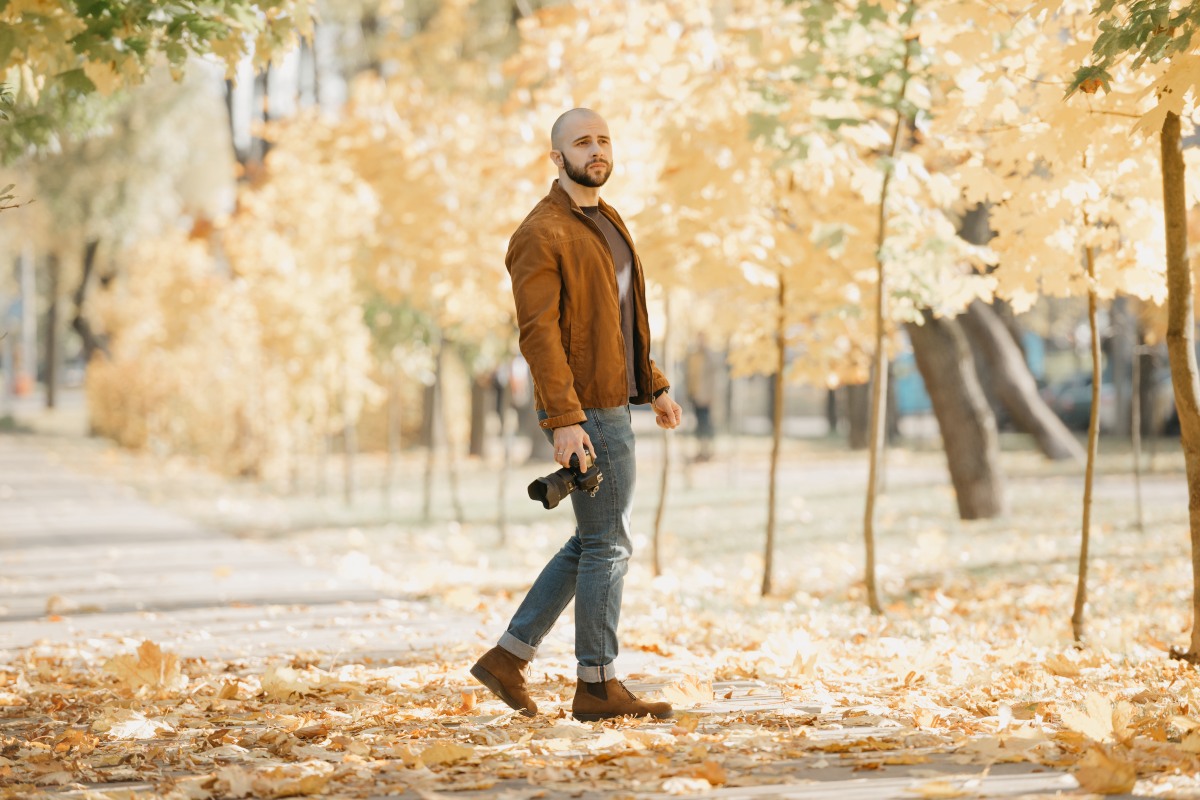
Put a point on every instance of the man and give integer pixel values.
(701, 391)
(581, 309)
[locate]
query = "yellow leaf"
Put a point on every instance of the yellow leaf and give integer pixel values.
(151, 668)
(685, 723)
(280, 683)
(689, 692)
(1104, 772)
(710, 771)
(1095, 721)
(101, 73)
(1061, 666)
(445, 753)
(125, 724)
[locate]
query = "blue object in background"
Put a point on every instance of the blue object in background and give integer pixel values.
(911, 397)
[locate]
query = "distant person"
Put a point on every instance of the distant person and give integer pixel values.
(700, 373)
(581, 309)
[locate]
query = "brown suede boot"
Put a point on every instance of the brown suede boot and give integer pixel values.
(610, 699)
(504, 674)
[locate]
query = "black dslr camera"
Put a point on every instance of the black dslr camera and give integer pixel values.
(551, 489)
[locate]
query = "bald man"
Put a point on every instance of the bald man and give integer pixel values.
(581, 308)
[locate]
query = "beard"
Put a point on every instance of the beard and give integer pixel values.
(583, 177)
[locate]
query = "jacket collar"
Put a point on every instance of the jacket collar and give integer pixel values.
(560, 197)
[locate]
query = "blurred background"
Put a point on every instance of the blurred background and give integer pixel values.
(272, 241)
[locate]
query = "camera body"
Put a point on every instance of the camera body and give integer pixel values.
(550, 490)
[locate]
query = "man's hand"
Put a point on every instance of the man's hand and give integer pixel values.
(572, 440)
(667, 413)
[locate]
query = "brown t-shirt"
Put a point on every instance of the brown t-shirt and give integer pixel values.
(623, 262)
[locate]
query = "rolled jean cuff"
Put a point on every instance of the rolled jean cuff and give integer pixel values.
(597, 674)
(512, 644)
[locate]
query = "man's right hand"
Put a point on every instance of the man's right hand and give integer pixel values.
(572, 440)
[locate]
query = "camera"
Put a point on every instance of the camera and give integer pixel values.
(551, 489)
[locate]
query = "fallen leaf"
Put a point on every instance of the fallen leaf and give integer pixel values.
(685, 723)
(468, 704)
(445, 753)
(123, 723)
(710, 771)
(680, 785)
(151, 668)
(689, 692)
(317, 731)
(281, 683)
(1061, 666)
(1095, 721)
(1104, 772)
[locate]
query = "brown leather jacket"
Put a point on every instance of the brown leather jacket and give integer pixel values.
(565, 286)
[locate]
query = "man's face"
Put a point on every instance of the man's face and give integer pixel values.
(586, 150)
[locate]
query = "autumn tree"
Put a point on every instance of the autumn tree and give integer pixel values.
(1153, 37)
(1078, 219)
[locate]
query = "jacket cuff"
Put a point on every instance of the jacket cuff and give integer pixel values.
(562, 420)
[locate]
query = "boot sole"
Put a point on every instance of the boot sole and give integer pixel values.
(598, 717)
(495, 687)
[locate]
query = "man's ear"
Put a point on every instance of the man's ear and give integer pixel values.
(556, 157)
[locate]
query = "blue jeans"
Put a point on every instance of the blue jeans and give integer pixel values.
(590, 568)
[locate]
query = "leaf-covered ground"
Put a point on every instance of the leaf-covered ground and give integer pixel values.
(970, 671)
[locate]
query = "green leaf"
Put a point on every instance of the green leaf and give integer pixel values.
(8, 41)
(75, 80)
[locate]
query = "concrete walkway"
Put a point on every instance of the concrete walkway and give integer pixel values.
(84, 561)
(86, 566)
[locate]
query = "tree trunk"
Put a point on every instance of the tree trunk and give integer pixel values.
(1122, 343)
(1136, 431)
(393, 432)
(479, 416)
(432, 414)
(664, 483)
(53, 339)
(1085, 539)
(858, 414)
(504, 407)
(349, 451)
(881, 361)
(1181, 346)
(1015, 386)
(27, 375)
(450, 442)
(241, 155)
(776, 437)
(91, 343)
(964, 417)
(892, 405)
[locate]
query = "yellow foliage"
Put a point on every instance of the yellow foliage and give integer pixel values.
(249, 347)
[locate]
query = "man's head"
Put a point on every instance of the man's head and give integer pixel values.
(581, 147)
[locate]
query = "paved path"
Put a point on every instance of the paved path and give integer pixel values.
(88, 566)
(84, 561)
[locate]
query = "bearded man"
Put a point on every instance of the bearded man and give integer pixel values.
(581, 308)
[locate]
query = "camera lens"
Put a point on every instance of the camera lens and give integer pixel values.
(550, 490)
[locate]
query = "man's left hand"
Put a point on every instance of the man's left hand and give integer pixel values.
(667, 413)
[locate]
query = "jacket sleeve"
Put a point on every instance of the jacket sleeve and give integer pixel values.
(537, 289)
(658, 380)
